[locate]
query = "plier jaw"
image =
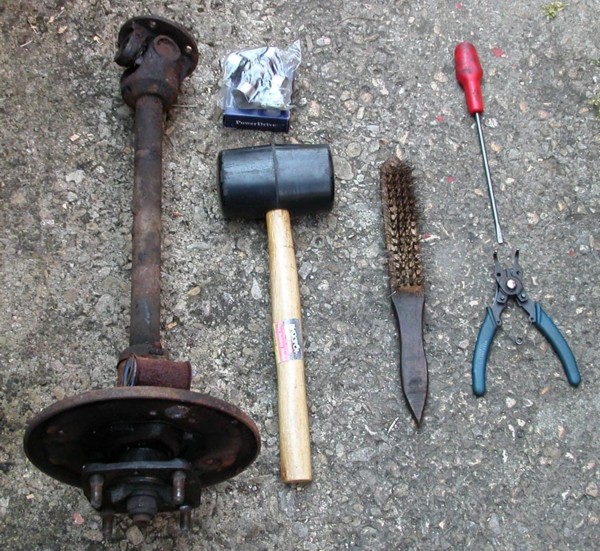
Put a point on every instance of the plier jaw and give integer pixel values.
(509, 284)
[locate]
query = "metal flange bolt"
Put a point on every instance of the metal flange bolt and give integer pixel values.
(150, 444)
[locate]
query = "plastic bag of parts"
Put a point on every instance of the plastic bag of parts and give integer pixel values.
(260, 78)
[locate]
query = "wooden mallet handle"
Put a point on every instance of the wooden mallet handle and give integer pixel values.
(294, 435)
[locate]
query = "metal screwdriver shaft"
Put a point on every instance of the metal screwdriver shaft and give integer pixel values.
(488, 178)
(469, 74)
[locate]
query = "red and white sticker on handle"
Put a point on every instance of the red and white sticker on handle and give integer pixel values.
(288, 340)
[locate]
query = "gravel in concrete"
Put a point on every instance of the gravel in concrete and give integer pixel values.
(516, 470)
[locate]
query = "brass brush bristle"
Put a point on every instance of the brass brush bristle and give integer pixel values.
(400, 218)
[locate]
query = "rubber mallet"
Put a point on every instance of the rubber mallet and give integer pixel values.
(276, 181)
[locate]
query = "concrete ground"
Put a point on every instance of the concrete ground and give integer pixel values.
(516, 470)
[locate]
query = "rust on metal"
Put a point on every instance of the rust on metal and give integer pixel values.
(122, 443)
(149, 445)
(169, 55)
(154, 371)
(146, 234)
(216, 437)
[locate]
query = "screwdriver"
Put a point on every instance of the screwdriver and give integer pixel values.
(469, 74)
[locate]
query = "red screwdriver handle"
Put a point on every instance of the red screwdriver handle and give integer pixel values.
(469, 74)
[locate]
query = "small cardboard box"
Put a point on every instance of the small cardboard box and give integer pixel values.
(270, 120)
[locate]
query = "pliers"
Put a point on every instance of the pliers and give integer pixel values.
(510, 285)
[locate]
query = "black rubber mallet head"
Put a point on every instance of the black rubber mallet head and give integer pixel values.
(256, 180)
(273, 181)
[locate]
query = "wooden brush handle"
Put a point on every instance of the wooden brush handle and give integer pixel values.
(294, 436)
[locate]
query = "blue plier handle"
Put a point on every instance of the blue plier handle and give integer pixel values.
(510, 285)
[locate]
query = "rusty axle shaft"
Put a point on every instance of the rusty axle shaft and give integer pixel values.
(146, 243)
(150, 444)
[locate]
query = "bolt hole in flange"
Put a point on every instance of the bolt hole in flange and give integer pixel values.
(142, 28)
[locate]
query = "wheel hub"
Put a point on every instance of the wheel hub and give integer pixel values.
(142, 450)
